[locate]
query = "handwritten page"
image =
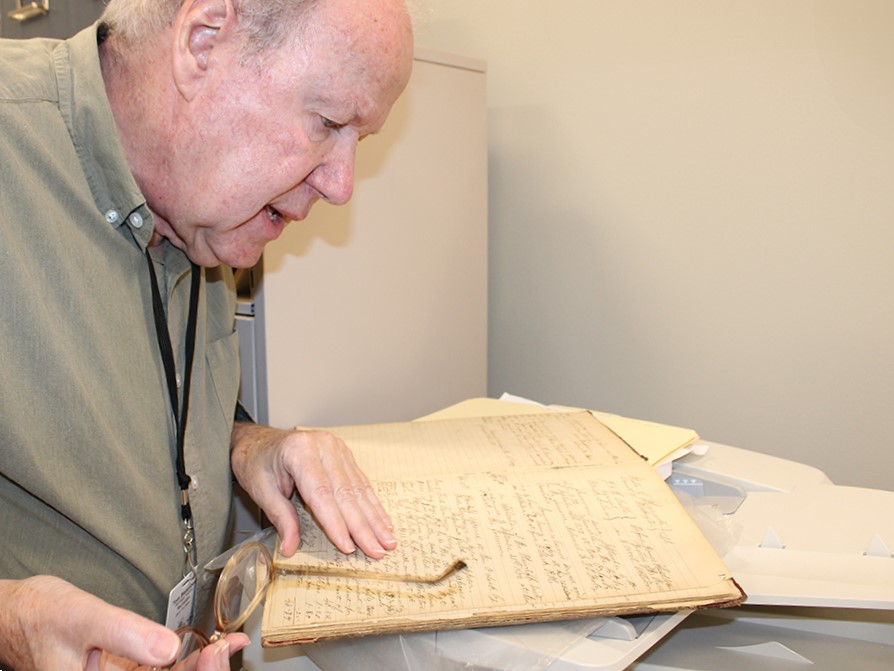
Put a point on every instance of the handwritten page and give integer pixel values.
(554, 516)
(656, 442)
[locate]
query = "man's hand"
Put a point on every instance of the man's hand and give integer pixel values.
(215, 657)
(47, 623)
(271, 464)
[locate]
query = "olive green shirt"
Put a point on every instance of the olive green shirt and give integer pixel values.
(88, 489)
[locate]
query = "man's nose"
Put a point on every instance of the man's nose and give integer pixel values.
(334, 177)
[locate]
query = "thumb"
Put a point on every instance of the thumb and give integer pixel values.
(282, 514)
(128, 635)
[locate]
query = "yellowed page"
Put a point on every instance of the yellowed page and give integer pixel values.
(543, 539)
(492, 444)
(652, 440)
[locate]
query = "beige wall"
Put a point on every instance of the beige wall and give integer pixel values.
(691, 215)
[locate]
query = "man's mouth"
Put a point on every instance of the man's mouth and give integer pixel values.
(274, 214)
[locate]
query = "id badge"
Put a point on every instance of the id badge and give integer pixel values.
(181, 603)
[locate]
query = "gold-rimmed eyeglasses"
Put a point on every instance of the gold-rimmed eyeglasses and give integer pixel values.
(244, 582)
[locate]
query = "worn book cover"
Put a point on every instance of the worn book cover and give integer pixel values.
(552, 517)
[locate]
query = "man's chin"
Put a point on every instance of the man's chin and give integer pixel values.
(245, 263)
(235, 258)
(243, 258)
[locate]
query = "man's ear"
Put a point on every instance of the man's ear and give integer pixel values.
(199, 27)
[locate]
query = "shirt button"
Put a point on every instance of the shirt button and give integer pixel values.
(136, 220)
(112, 216)
(179, 381)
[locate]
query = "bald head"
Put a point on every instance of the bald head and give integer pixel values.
(264, 23)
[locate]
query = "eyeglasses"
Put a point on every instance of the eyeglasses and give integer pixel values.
(244, 582)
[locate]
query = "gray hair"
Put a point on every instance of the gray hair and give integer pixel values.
(266, 24)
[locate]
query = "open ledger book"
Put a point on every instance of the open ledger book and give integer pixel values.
(553, 514)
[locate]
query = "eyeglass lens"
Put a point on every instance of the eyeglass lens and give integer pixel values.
(241, 586)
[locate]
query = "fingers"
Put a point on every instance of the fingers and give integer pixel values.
(125, 634)
(340, 496)
(271, 464)
(357, 504)
(282, 514)
(70, 629)
(109, 662)
(67, 625)
(215, 657)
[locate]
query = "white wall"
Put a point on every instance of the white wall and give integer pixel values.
(691, 215)
(372, 312)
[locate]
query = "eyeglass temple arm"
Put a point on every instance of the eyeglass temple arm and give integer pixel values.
(342, 572)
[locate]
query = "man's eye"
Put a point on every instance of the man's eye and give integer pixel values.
(334, 125)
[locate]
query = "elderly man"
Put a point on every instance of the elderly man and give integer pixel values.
(142, 159)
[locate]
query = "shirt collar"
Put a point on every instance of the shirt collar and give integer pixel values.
(88, 115)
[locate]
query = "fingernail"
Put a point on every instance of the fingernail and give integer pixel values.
(163, 645)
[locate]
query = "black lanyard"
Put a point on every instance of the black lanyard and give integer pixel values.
(180, 411)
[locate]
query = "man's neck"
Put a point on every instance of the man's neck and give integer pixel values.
(140, 99)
